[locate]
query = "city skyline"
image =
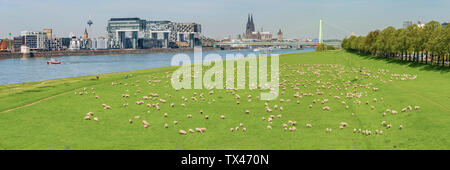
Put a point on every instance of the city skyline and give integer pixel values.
(220, 19)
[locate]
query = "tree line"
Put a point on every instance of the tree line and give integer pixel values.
(428, 44)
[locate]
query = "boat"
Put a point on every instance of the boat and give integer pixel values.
(53, 61)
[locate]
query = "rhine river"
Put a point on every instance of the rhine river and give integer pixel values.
(19, 70)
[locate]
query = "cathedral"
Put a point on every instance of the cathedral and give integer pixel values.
(252, 34)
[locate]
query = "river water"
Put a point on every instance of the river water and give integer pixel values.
(19, 70)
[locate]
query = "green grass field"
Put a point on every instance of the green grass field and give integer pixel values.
(49, 114)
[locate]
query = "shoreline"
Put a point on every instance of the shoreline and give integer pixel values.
(47, 54)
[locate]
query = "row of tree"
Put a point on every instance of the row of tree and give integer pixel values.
(429, 43)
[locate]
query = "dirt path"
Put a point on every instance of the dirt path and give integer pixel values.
(36, 102)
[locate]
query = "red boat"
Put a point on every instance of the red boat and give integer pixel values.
(53, 61)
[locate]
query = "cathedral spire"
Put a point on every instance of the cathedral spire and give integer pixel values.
(251, 18)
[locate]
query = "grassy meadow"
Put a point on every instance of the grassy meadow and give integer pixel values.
(50, 114)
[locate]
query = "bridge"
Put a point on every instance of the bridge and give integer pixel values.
(277, 43)
(295, 44)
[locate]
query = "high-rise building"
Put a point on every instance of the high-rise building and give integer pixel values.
(407, 23)
(136, 33)
(34, 40)
(48, 32)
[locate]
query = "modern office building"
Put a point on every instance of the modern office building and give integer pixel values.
(34, 40)
(18, 42)
(123, 32)
(137, 33)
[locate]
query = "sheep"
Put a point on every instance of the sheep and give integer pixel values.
(372, 107)
(107, 107)
(90, 114)
(341, 127)
(165, 114)
(237, 102)
(183, 105)
(263, 118)
(327, 108)
(381, 132)
(182, 132)
(285, 125)
(269, 110)
(394, 112)
(292, 129)
(191, 131)
(294, 123)
(203, 129)
(310, 106)
(198, 130)
(244, 129)
(270, 119)
(172, 105)
(96, 97)
(241, 124)
(231, 129)
(247, 111)
(401, 127)
(279, 116)
(269, 127)
(189, 116)
(87, 118)
(416, 107)
(130, 121)
(389, 126)
(275, 107)
(144, 122)
(137, 117)
(201, 111)
(96, 119)
(344, 124)
(175, 122)
(222, 116)
(354, 130)
(237, 128)
(166, 125)
(308, 125)
(404, 109)
(206, 117)
(383, 123)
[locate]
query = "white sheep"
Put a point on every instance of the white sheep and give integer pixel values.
(182, 132)
(269, 127)
(308, 125)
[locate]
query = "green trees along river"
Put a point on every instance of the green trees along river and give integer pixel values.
(428, 44)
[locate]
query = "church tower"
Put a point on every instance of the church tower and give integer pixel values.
(250, 25)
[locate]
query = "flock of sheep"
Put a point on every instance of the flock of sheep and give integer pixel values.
(326, 86)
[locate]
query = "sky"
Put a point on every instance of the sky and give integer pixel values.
(298, 19)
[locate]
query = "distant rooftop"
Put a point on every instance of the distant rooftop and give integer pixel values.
(123, 19)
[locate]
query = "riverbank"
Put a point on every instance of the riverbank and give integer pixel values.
(49, 114)
(6, 55)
